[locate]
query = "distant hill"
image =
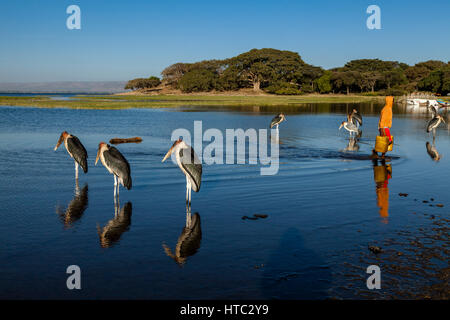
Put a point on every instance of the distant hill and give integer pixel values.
(64, 87)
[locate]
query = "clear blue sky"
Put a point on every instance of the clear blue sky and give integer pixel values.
(120, 40)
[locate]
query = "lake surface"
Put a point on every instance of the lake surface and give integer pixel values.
(324, 208)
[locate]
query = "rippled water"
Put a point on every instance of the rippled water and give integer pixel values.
(323, 208)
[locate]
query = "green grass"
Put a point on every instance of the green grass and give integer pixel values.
(173, 101)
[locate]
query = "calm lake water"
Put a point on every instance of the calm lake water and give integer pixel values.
(324, 208)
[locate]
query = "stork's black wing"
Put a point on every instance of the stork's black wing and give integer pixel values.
(119, 165)
(356, 116)
(432, 124)
(78, 152)
(193, 167)
(276, 120)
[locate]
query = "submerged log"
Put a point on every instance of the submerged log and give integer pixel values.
(125, 140)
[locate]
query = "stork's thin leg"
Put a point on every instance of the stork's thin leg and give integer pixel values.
(115, 187)
(190, 193)
(76, 171)
(187, 191)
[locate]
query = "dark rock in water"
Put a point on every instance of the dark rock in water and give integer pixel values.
(249, 218)
(425, 201)
(375, 249)
(403, 194)
(432, 199)
(440, 205)
(262, 216)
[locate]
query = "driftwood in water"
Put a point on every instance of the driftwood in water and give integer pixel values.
(126, 140)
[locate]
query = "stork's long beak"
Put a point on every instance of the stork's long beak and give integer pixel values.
(98, 155)
(168, 154)
(61, 139)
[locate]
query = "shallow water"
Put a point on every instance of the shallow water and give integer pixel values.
(321, 207)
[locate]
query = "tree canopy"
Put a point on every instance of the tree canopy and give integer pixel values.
(284, 72)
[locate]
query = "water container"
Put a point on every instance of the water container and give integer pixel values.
(382, 144)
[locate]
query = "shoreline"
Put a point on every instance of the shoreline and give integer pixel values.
(118, 101)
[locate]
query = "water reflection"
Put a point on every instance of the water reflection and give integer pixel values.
(432, 151)
(76, 207)
(381, 175)
(352, 145)
(115, 227)
(189, 240)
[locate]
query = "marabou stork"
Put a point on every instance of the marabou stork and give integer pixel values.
(116, 164)
(189, 164)
(75, 149)
(356, 118)
(349, 126)
(277, 120)
(435, 122)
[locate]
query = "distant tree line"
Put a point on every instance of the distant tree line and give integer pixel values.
(285, 73)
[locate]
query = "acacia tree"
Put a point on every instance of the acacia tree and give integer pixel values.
(173, 73)
(260, 66)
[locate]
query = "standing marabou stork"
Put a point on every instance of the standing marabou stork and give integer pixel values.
(435, 122)
(349, 126)
(116, 164)
(76, 151)
(189, 164)
(356, 118)
(277, 120)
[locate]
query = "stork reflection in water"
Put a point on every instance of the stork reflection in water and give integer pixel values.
(76, 207)
(189, 240)
(113, 230)
(352, 145)
(75, 149)
(189, 164)
(432, 151)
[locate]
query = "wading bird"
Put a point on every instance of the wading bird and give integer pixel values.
(356, 118)
(189, 164)
(349, 126)
(116, 164)
(435, 122)
(75, 149)
(277, 120)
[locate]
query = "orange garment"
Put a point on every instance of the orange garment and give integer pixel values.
(386, 114)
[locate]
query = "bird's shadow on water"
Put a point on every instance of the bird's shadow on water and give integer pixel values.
(295, 272)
